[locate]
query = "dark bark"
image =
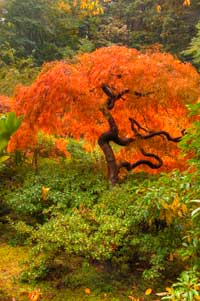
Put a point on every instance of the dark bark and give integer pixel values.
(153, 133)
(112, 135)
(104, 143)
(152, 165)
(112, 98)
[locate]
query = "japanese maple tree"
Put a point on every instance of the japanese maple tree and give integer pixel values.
(113, 95)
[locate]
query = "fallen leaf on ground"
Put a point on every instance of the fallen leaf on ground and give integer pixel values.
(148, 291)
(88, 291)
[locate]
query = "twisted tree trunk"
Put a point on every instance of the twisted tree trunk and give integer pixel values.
(112, 135)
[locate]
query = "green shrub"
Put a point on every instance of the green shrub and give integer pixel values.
(187, 288)
(9, 123)
(124, 225)
(16, 72)
(188, 285)
(143, 222)
(71, 182)
(191, 145)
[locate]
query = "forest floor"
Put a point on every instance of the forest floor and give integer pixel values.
(10, 258)
(11, 262)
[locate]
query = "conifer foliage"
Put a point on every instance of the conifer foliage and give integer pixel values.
(113, 95)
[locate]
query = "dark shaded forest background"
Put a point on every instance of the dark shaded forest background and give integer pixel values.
(33, 32)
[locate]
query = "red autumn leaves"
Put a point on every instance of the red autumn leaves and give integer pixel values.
(66, 99)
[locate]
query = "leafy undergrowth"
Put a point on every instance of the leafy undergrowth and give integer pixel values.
(81, 239)
(86, 283)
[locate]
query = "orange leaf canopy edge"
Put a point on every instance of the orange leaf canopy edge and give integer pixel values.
(5, 104)
(66, 99)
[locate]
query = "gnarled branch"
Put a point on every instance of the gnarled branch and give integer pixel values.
(152, 165)
(153, 133)
(112, 135)
(112, 97)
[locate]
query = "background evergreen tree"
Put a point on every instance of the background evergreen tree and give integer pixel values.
(193, 51)
(38, 29)
(141, 23)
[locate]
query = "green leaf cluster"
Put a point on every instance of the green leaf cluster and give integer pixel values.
(188, 285)
(8, 125)
(187, 288)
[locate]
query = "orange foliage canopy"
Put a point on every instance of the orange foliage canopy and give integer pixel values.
(5, 104)
(66, 99)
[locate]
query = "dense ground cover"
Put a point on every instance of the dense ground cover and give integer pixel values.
(90, 240)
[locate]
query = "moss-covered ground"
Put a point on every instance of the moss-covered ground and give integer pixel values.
(11, 289)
